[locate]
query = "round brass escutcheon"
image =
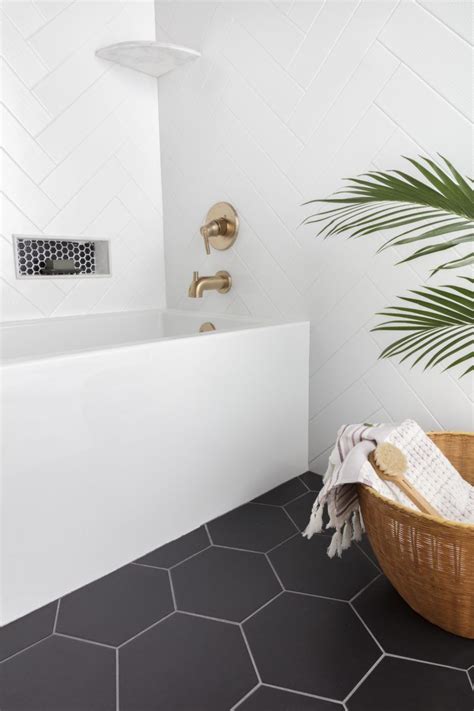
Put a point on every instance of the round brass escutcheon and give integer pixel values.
(207, 326)
(225, 275)
(220, 212)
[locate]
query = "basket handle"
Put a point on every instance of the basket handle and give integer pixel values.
(403, 484)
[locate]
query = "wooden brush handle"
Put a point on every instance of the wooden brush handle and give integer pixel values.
(405, 486)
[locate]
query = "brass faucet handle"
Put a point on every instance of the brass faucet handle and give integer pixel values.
(214, 228)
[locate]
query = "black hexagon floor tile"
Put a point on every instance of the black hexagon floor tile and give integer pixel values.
(282, 494)
(27, 630)
(255, 527)
(224, 583)
(267, 698)
(402, 685)
(176, 551)
(113, 609)
(400, 630)
(364, 544)
(185, 663)
(308, 644)
(59, 674)
(303, 566)
(313, 481)
(300, 510)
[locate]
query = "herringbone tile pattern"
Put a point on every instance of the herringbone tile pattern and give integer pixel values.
(80, 153)
(287, 99)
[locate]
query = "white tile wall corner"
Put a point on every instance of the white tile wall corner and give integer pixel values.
(81, 154)
(288, 98)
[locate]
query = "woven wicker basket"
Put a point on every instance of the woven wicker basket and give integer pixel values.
(429, 561)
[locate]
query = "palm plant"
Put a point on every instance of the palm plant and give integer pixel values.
(438, 321)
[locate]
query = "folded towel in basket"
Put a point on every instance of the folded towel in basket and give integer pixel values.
(429, 472)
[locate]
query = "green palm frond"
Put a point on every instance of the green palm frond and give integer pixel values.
(438, 205)
(440, 327)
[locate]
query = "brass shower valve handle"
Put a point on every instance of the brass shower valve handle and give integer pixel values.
(221, 227)
(214, 228)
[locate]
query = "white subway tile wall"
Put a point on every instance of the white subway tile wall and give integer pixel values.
(81, 153)
(288, 99)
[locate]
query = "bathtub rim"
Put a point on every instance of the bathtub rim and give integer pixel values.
(248, 324)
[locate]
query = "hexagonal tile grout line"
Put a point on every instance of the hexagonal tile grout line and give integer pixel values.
(366, 555)
(173, 596)
(175, 565)
(303, 693)
(117, 680)
(25, 649)
(274, 571)
(55, 623)
(268, 602)
(293, 535)
(206, 527)
(366, 676)
(127, 641)
(244, 698)
(83, 639)
(379, 575)
(249, 652)
(423, 661)
(208, 617)
(363, 622)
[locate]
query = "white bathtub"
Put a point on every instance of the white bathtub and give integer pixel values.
(121, 432)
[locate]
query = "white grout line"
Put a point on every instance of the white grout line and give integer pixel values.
(117, 681)
(148, 565)
(367, 627)
(56, 616)
(244, 698)
(172, 590)
(25, 649)
(376, 565)
(235, 548)
(274, 571)
(303, 693)
(82, 639)
(292, 520)
(423, 661)
(279, 594)
(321, 597)
(293, 535)
(422, 79)
(139, 634)
(206, 527)
(361, 681)
(242, 631)
(234, 623)
(172, 567)
(365, 586)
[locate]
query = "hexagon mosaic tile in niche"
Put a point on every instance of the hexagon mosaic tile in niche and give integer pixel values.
(33, 253)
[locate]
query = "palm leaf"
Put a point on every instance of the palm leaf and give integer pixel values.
(438, 327)
(437, 202)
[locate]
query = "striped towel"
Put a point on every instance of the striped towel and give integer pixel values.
(429, 471)
(339, 493)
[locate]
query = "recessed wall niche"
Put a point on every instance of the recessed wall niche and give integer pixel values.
(40, 257)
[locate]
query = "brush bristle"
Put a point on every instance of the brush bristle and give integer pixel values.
(390, 459)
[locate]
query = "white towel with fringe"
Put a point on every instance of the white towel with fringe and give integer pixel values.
(429, 471)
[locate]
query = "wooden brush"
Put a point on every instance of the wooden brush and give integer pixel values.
(390, 464)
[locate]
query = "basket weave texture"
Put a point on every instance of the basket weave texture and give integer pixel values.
(428, 560)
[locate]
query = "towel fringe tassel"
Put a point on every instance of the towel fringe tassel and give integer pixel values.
(335, 547)
(347, 535)
(357, 526)
(315, 524)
